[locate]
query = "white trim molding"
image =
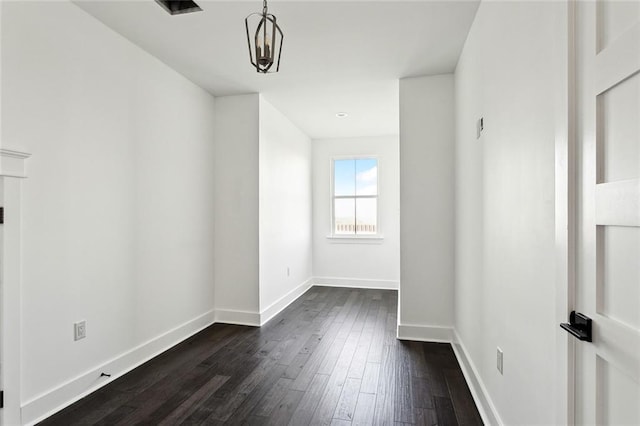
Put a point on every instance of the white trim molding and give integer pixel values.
(425, 333)
(478, 390)
(12, 163)
(12, 169)
(231, 316)
(566, 158)
(348, 239)
(355, 283)
(54, 400)
(279, 305)
(258, 319)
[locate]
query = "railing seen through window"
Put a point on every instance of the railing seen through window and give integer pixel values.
(355, 196)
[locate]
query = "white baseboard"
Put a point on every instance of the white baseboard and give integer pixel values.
(276, 307)
(230, 316)
(478, 390)
(355, 283)
(424, 333)
(75, 389)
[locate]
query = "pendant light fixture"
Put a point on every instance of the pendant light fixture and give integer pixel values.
(265, 43)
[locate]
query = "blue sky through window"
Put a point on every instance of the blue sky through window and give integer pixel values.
(356, 177)
(344, 177)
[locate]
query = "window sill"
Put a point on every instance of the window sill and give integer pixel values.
(351, 239)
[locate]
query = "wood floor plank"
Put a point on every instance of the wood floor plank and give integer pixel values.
(385, 401)
(251, 421)
(283, 412)
(273, 397)
(348, 398)
(248, 406)
(444, 410)
(350, 319)
(286, 350)
(356, 370)
(238, 373)
(422, 396)
(370, 378)
(365, 405)
(418, 364)
(372, 314)
(296, 366)
(191, 351)
(403, 391)
(375, 350)
(435, 370)
(329, 401)
(362, 313)
(91, 409)
(312, 367)
(391, 331)
(185, 409)
(309, 402)
(164, 395)
(232, 401)
(461, 398)
(427, 417)
(322, 359)
(338, 422)
(117, 417)
(330, 357)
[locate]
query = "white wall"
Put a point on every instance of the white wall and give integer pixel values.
(505, 206)
(285, 210)
(426, 207)
(350, 262)
(236, 209)
(117, 209)
(262, 210)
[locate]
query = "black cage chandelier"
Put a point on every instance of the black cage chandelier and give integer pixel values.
(266, 40)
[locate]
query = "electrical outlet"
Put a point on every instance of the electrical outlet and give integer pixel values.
(79, 330)
(499, 358)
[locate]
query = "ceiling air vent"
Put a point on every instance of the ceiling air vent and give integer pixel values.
(176, 7)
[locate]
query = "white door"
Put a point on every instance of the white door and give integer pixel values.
(1, 295)
(607, 371)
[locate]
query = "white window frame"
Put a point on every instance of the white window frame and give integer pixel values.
(351, 238)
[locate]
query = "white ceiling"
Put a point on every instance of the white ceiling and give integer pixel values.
(337, 55)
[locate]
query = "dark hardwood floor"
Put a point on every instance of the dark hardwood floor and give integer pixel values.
(330, 358)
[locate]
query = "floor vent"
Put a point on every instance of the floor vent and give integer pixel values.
(176, 7)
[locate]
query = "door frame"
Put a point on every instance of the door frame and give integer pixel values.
(12, 173)
(565, 207)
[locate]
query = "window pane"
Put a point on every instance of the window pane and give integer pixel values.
(367, 212)
(367, 176)
(344, 177)
(344, 211)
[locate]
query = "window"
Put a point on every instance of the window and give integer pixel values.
(355, 196)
